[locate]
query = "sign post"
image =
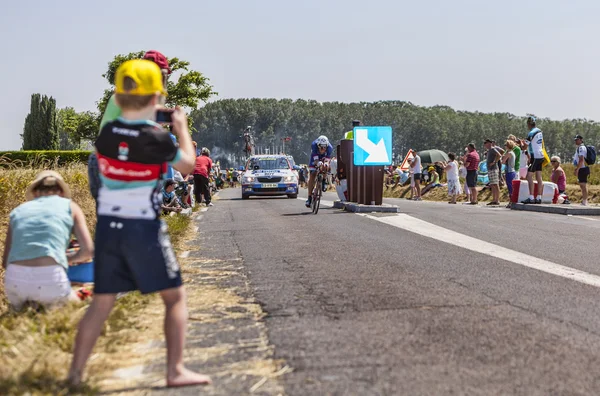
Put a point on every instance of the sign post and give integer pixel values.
(372, 151)
(409, 156)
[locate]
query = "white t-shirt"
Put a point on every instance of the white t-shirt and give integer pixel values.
(417, 164)
(333, 166)
(581, 150)
(177, 176)
(536, 143)
(523, 162)
(452, 174)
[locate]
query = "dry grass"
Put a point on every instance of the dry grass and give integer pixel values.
(14, 179)
(35, 347)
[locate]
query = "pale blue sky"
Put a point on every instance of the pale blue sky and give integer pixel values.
(525, 56)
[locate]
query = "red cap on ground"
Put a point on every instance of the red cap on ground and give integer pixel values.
(158, 58)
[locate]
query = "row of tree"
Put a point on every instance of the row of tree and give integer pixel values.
(219, 124)
(49, 128)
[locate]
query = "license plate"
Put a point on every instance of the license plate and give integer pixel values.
(269, 185)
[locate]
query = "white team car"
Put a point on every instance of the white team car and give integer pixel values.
(269, 175)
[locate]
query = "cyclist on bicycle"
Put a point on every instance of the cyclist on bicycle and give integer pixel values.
(321, 151)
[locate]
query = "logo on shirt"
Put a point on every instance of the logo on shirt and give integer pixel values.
(123, 151)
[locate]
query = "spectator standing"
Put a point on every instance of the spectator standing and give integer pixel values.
(234, 177)
(524, 159)
(582, 171)
(411, 175)
(201, 173)
(509, 158)
(113, 111)
(499, 163)
(452, 178)
(472, 164)
(417, 173)
(332, 175)
(535, 147)
(558, 175)
(135, 145)
(462, 172)
(492, 158)
(517, 150)
(37, 239)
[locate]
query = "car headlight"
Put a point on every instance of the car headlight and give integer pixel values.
(289, 179)
(248, 179)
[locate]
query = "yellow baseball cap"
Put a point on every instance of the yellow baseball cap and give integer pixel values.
(146, 74)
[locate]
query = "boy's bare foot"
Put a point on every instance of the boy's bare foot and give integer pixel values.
(187, 377)
(74, 379)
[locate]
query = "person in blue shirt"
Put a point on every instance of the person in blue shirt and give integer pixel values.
(169, 198)
(321, 151)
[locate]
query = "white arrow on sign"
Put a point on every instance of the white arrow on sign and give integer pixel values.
(377, 152)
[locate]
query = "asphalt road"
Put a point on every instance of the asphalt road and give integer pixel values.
(358, 307)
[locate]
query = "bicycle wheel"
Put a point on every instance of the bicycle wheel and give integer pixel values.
(316, 202)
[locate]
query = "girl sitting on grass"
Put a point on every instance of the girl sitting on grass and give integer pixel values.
(38, 236)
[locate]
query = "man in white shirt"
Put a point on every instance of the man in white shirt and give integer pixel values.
(535, 147)
(582, 171)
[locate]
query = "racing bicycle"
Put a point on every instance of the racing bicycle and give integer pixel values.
(318, 189)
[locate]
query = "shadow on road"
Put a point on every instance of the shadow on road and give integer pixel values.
(297, 214)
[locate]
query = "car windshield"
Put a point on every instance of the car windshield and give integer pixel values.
(268, 163)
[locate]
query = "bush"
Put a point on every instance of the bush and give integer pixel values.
(35, 157)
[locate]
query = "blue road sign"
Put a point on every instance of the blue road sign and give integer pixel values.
(372, 145)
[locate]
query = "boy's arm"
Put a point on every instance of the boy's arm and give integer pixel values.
(187, 160)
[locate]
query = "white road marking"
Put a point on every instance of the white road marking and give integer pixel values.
(429, 230)
(585, 218)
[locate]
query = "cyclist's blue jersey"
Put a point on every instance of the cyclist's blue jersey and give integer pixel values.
(316, 156)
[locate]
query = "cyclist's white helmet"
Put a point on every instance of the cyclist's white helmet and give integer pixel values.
(322, 141)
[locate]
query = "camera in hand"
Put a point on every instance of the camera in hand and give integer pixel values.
(164, 116)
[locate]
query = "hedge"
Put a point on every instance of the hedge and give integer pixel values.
(27, 157)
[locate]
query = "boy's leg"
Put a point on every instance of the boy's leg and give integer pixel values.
(90, 328)
(175, 327)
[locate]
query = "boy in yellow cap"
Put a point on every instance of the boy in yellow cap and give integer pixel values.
(132, 248)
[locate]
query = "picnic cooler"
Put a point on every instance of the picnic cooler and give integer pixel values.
(80, 272)
(521, 192)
